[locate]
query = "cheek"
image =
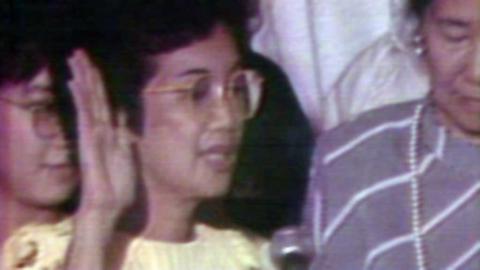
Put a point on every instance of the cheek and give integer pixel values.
(21, 153)
(446, 61)
(172, 135)
(166, 117)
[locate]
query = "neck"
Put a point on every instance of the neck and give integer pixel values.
(15, 214)
(444, 118)
(166, 216)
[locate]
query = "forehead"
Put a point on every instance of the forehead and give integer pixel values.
(465, 10)
(39, 84)
(215, 54)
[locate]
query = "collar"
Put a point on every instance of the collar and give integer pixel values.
(457, 153)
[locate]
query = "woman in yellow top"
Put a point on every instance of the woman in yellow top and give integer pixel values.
(187, 94)
(37, 178)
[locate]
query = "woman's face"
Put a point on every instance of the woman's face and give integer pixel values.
(35, 168)
(452, 38)
(190, 141)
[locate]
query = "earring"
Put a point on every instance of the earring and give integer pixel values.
(418, 45)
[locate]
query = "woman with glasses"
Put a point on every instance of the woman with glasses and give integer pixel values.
(37, 177)
(180, 78)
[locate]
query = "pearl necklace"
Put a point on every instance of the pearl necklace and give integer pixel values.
(415, 193)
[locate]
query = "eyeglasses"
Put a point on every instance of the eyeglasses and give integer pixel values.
(242, 91)
(45, 119)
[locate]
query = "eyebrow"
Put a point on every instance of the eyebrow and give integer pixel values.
(453, 22)
(195, 71)
(202, 71)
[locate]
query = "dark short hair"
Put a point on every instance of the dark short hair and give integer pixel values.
(419, 7)
(20, 58)
(148, 28)
(28, 38)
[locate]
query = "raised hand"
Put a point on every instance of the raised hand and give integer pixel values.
(105, 144)
(107, 167)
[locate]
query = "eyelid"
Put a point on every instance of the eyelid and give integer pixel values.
(40, 103)
(174, 87)
(38, 94)
(455, 33)
(454, 25)
(42, 90)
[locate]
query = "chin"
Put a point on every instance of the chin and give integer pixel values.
(464, 119)
(55, 195)
(214, 188)
(50, 199)
(472, 129)
(460, 115)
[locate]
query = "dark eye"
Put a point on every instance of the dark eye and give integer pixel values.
(240, 88)
(457, 38)
(455, 33)
(43, 107)
(201, 89)
(240, 85)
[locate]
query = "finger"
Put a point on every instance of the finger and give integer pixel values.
(124, 157)
(101, 109)
(80, 97)
(89, 132)
(88, 84)
(101, 94)
(125, 137)
(79, 102)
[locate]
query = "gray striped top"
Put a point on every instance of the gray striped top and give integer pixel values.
(358, 205)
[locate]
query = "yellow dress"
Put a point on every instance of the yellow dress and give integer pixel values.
(43, 247)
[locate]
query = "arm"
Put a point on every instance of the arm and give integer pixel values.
(107, 167)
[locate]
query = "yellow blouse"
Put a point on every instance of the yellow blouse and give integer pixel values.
(37, 247)
(43, 247)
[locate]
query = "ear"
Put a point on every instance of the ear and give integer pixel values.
(423, 32)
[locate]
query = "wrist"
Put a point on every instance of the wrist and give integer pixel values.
(98, 214)
(94, 223)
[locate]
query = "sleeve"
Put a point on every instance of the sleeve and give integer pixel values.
(340, 239)
(37, 247)
(382, 74)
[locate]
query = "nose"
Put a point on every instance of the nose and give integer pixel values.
(60, 140)
(477, 60)
(50, 127)
(474, 65)
(59, 149)
(221, 113)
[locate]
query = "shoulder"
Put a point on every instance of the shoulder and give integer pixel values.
(235, 238)
(212, 248)
(362, 152)
(375, 128)
(38, 246)
(248, 248)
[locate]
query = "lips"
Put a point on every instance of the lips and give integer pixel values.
(57, 162)
(59, 172)
(470, 103)
(220, 157)
(57, 165)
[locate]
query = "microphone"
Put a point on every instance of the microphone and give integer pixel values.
(292, 249)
